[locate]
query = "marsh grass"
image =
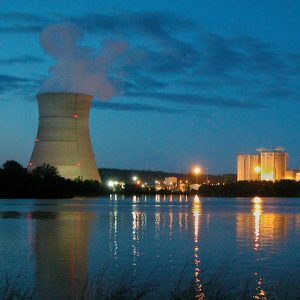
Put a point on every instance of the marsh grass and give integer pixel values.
(10, 289)
(105, 286)
(216, 286)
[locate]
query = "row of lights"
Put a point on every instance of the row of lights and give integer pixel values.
(196, 171)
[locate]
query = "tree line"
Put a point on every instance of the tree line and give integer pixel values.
(45, 182)
(42, 182)
(282, 188)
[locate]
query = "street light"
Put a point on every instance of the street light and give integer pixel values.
(196, 171)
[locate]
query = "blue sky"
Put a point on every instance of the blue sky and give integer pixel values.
(194, 82)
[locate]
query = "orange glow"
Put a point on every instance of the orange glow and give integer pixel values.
(257, 169)
(75, 116)
(197, 170)
(256, 200)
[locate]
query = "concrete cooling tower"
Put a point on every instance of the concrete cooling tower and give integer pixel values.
(63, 138)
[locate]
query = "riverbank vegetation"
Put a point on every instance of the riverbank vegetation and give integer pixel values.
(43, 182)
(218, 286)
(282, 188)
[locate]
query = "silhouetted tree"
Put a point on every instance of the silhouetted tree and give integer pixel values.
(13, 168)
(45, 171)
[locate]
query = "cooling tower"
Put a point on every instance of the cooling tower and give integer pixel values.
(63, 138)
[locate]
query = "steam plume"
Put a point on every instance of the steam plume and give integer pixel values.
(79, 68)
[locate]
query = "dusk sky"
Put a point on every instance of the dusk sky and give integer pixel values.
(174, 82)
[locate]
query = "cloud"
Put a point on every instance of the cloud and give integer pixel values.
(167, 59)
(17, 85)
(8, 82)
(198, 100)
(25, 59)
(79, 68)
(154, 24)
(20, 29)
(117, 106)
(19, 16)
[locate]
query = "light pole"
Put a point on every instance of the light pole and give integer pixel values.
(207, 176)
(196, 171)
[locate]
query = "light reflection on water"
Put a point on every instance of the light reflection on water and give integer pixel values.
(60, 242)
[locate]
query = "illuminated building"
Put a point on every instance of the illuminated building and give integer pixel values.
(247, 167)
(274, 164)
(182, 187)
(291, 174)
(63, 138)
(171, 181)
(269, 165)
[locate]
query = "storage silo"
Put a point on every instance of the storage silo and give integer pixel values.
(63, 137)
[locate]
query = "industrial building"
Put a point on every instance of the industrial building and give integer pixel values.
(171, 181)
(63, 137)
(274, 164)
(268, 164)
(248, 165)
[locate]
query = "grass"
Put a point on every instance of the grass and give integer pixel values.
(218, 286)
(10, 289)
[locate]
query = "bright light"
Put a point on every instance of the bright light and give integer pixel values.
(256, 200)
(197, 170)
(134, 178)
(257, 169)
(110, 183)
(138, 182)
(196, 199)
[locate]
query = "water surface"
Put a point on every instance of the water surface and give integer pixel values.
(56, 244)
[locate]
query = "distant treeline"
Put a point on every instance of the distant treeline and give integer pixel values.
(42, 182)
(151, 176)
(45, 182)
(282, 188)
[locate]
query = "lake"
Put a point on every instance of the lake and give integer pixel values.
(53, 246)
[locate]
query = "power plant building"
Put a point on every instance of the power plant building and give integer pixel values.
(63, 137)
(269, 165)
(247, 167)
(274, 165)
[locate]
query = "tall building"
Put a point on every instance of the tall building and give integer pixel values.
(63, 138)
(274, 164)
(269, 164)
(248, 167)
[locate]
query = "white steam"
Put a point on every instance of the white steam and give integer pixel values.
(78, 68)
